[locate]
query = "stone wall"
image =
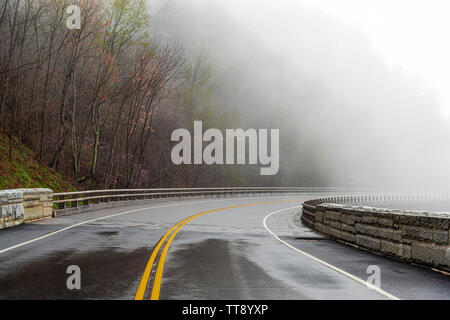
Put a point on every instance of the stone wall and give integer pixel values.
(414, 236)
(11, 206)
(25, 205)
(37, 203)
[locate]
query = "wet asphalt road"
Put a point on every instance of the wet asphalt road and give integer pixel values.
(222, 255)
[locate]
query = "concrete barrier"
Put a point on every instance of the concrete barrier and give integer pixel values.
(414, 236)
(25, 205)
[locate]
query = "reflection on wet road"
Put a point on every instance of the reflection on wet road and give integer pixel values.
(222, 255)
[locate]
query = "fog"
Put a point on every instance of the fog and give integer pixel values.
(346, 118)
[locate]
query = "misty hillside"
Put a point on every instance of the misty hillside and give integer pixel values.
(98, 104)
(345, 118)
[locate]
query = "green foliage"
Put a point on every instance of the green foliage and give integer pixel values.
(21, 171)
(200, 95)
(126, 18)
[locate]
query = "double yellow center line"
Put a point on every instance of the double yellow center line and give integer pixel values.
(172, 233)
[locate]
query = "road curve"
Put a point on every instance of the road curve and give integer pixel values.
(241, 248)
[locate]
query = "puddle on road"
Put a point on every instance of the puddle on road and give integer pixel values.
(107, 233)
(105, 274)
(218, 269)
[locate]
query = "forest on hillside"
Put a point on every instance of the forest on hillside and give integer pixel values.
(99, 103)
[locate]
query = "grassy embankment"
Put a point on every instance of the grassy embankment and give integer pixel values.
(22, 171)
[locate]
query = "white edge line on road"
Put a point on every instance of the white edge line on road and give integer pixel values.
(365, 283)
(119, 214)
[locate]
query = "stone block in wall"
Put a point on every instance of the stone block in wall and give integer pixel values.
(357, 213)
(439, 223)
(333, 232)
(308, 207)
(307, 218)
(396, 249)
(429, 253)
(17, 211)
(405, 219)
(446, 264)
(6, 210)
(348, 237)
(332, 215)
(406, 251)
(391, 248)
(318, 226)
(369, 218)
(440, 237)
(425, 221)
(11, 208)
(348, 228)
(422, 219)
(368, 242)
(320, 208)
(334, 224)
(406, 241)
(38, 203)
(319, 216)
(411, 232)
(389, 234)
(385, 222)
(364, 229)
(348, 219)
(426, 234)
(9, 222)
(307, 214)
(34, 212)
(417, 233)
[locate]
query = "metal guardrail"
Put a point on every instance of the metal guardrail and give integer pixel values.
(75, 199)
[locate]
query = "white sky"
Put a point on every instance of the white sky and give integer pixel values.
(413, 34)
